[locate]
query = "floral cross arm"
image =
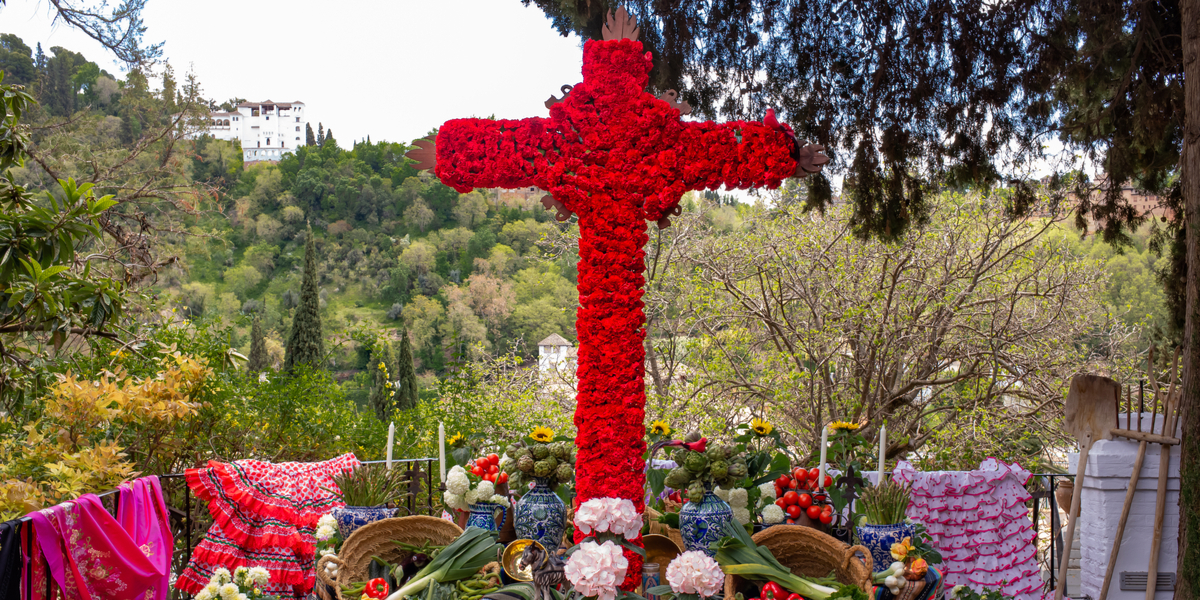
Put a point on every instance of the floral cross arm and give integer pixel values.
(482, 153)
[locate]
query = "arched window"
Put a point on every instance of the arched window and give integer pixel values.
(227, 122)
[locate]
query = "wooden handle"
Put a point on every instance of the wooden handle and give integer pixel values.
(1116, 548)
(1146, 437)
(1072, 517)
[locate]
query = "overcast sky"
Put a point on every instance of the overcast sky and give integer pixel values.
(391, 69)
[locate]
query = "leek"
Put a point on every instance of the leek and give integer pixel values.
(739, 555)
(474, 549)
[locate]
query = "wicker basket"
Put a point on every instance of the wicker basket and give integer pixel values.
(377, 539)
(810, 553)
(663, 529)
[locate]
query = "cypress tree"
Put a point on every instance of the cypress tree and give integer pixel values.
(309, 137)
(320, 133)
(406, 374)
(258, 346)
(304, 341)
(384, 394)
(329, 137)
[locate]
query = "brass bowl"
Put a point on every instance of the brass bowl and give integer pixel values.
(660, 549)
(512, 553)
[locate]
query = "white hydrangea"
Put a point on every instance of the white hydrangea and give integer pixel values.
(472, 496)
(722, 493)
(457, 482)
(772, 514)
(742, 514)
(486, 489)
(455, 501)
(738, 498)
(596, 569)
(613, 515)
(501, 500)
(767, 490)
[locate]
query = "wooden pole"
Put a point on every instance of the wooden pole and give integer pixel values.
(1164, 467)
(1133, 481)
(1072, 518)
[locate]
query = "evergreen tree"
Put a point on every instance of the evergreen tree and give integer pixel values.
(305, 344)
(309, 137)
(258, 346)
(320, 133)
(329, 137)
(406, 376)
(384, 394)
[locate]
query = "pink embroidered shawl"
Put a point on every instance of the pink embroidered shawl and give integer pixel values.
(93, 556)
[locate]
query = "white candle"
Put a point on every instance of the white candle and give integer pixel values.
(821, 465)
(391, 442)
(442, 449)
(882, 449)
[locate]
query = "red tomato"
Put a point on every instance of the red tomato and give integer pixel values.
(800, 473)
(793, 485)
(494, 458)
(783, 481)
(502, 478)
(814, 512)
(814, 473)
(781, 504)
(828, 510)
(477, 470)
(826, 517)
(828, 481)
(791, 521)
(791, 498)
(778, 491)
(493, 469)
(793, 511)
(489, 477)
(805, 501)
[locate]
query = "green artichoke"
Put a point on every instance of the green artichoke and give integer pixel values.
(692, 437)
(737, 469)
(695, 462)
(559, 450)
(541, 468)
(696, 492)
(678, 478)
(511, 450)
(525, 463)
(719, 469)
(564, 473)
(679, 455)
(540, 452)
(715, 453)
(553, 462)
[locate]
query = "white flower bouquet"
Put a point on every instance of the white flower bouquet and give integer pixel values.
(243, 584)
(464, 489)
(693, 575)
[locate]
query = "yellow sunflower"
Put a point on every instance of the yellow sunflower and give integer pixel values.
(760, 426)
(660, 427)
(454, 439)
(840, 425)
(542, 434)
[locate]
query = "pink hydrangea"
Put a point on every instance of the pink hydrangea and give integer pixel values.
(694, 572)
(617, 516)
(595, 570)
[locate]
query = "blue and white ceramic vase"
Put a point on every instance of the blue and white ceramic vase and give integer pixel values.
(704, 523)
(484, 515)
(879, 539)
(350, 518)
(541, 515)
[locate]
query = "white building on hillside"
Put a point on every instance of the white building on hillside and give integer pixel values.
(267, 130)
(555, 353)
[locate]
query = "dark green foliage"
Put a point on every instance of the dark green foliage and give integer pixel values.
(320, 133)
(382, 367)
(16, 60)
(406, 376)
(310, 139)
(258, 346)
(305, 342)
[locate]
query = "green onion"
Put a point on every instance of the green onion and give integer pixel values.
(461, 559)
(739, 555)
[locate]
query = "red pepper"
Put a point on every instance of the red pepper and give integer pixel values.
(376, 588)
(795, 596)
(773, 591)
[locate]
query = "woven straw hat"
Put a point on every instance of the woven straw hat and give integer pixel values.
(810, 553)
(378, 539)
